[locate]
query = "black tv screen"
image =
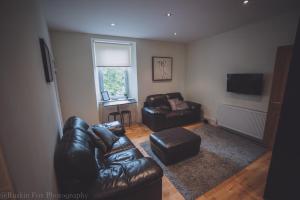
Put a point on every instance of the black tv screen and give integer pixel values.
(245, 83)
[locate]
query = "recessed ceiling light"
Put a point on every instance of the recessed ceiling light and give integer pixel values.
(245, 2)
(112, 24)
(175, 33)
(169, 14)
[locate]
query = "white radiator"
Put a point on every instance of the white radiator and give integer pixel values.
(243, 120)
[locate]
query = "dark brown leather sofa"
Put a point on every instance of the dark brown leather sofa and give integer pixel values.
(85, 172)
(157, 113)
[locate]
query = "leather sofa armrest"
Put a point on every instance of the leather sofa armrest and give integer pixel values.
(193, 105)
(143, 170)
(116, 180)
(116, 127)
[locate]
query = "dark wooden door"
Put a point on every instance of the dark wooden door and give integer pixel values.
(281, 69)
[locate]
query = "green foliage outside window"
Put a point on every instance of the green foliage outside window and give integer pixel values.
(114, 81)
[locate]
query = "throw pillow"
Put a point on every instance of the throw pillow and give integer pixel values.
(173, 103)
(177, 104)
(181, 105)
(98, 142)
(106, 135)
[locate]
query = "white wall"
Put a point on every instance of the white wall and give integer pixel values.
(145, 50)
(75, 75)
(75, 71)
(249, 49)
(29, 111)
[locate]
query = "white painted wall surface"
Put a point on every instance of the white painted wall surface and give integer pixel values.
(249, 49)
(29, 111)
(75, 71)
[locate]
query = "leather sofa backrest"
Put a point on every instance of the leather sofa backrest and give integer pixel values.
(174, 95)
(75, 122)
(157, 100)
(74, 158)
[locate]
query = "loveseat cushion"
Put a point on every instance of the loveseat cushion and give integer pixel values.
(106, 135)
(99, 157)
(156, 110)
(98, 141)
(117, 179)
(122, 144)
(179, 113)
(123, 156)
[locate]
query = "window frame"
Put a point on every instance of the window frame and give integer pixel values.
(99, 85)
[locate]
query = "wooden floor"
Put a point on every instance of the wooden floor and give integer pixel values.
(247, 184)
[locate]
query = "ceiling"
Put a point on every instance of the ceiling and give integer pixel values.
(191, 19)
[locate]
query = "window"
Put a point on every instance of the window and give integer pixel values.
(113, 61)
(114, 80)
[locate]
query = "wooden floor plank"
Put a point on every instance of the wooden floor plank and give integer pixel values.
(248, 184)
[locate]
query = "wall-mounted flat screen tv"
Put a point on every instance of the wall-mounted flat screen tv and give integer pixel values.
(245, 83)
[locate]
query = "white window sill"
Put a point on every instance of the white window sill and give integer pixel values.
(113, 100)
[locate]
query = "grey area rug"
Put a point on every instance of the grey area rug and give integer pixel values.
(221, 155)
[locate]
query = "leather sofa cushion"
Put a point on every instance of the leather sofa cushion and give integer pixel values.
(98, 142)
(177, 104)
(106, 135)
(117, 179)
(99, 157)
(179, 113)
(156, 110)
(122, 144)
(75, 123)
(123, 156)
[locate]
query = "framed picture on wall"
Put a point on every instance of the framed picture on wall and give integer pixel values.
(105, 96)
(47, 61)
(162, 68)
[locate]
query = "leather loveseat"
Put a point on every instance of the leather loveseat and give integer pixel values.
(85, 171)
(157, 113)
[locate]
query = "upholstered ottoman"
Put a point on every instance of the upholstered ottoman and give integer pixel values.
(175, 144)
